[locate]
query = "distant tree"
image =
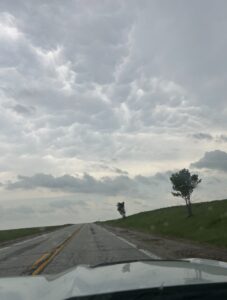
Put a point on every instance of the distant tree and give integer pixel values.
(121, 209)
(183, 184)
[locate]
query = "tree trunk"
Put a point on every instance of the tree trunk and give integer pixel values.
(189, 207)
(123, 214)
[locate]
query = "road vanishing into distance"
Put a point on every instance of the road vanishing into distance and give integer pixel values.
(57, 251)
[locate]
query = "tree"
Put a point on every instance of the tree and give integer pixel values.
(121, 209)
(183, 184)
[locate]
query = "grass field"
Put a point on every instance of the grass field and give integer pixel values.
(11, 234)
(209, 223)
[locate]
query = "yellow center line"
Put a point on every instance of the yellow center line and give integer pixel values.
(46, 258)
(39, 260)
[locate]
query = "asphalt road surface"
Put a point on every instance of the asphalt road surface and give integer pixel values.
(65, 248)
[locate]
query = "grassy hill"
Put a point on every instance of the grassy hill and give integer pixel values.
(209, 223)
(12, 234)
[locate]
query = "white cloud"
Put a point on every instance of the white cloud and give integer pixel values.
(8, 27)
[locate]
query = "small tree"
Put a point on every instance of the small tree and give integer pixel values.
(121, 209)
(183, 184)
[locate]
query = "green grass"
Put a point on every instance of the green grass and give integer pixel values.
(207, 225)
(11, 234)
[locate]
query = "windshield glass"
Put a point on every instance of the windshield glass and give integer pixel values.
(113, 137)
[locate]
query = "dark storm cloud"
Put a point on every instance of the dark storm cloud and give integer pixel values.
(216, 160)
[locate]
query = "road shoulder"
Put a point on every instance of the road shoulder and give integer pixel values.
(167, 248)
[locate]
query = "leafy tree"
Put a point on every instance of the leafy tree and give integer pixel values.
(183, 184)
(121, 209)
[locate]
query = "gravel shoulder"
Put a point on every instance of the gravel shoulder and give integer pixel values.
(167, 248)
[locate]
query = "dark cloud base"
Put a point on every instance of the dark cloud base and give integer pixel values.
(215, 160)
(122, 185)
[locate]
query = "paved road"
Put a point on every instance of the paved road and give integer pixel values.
(65, 248)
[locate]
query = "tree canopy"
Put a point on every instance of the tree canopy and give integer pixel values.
(121, 209)
(183, 184)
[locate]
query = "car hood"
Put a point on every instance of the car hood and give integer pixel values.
(85, 280)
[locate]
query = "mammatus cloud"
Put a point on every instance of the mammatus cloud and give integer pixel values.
(216, 160)
(82, 102)
(127, 83)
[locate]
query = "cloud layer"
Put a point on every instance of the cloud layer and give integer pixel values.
(117, 90)
(137, 187)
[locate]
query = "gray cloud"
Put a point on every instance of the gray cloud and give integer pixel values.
(139, 186)
(219, 138)
(61, 203)
(216, 160)
(18, 211)
(127, 82)
(80, 93)
(222, 138)
(202, 136)
(119, 171)
(22, 109)
(105, 167)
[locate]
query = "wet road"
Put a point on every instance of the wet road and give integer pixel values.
(65, 248)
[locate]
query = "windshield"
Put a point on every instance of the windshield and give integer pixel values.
(113, 136)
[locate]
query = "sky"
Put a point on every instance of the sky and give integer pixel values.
(100, 101)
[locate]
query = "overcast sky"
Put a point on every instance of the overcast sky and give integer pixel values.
(101, 100)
